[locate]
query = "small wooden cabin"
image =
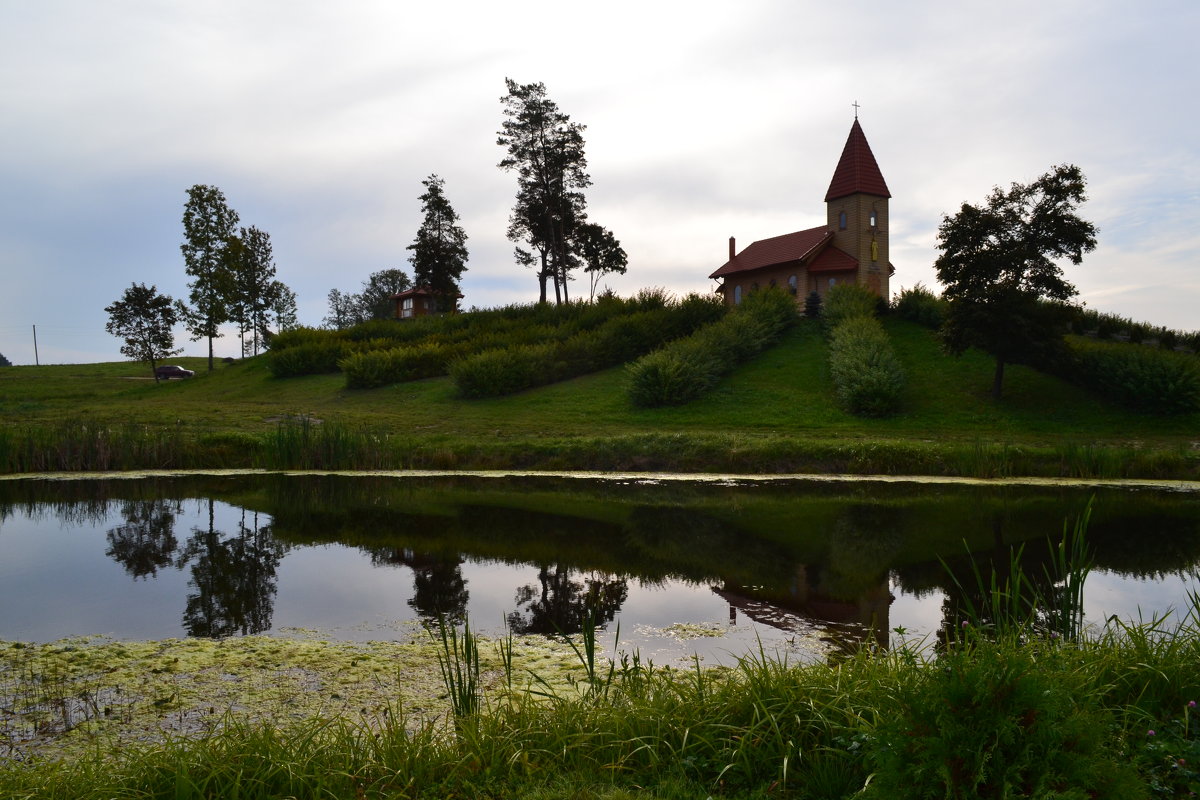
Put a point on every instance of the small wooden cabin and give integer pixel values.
(421, 302)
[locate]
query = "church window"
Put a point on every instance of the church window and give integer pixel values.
(737, 294)
(772, 282)
(841, 220)
(874, 218)
(792, 284)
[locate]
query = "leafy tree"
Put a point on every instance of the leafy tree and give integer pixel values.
(375, 299)
(546, 150)
(439, 252)
(343, 310)
(600, 253)
(283, 306)
(144, 319)
(998, 267)
(253, 283)
(209, 227)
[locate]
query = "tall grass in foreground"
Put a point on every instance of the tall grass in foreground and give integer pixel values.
(988, 716)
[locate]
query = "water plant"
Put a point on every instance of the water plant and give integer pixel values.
(458, 662)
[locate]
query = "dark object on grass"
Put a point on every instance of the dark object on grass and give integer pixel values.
(168, 371)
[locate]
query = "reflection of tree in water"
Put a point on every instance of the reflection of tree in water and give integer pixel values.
(558, 604)
(234, 579)
(146, 542)
(439, 588)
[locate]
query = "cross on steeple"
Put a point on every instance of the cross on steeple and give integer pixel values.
(855, 104)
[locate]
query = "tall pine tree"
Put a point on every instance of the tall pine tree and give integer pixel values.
(546, 150)
(439, 251)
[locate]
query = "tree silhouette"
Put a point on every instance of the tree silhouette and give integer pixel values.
(233, 578)
(559, 605)
(439, 251)
(998, 266)
(146, 542)
(144, 319)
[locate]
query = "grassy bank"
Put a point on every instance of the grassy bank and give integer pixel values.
(774, 414)
(1111, 717)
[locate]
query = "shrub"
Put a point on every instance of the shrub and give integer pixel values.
(312, 358)
(812, 305)
(866, 374)
(1140, 378)
(1167, 339)
(848, 300)
(301, 335)
(690, 367)
(1003, 720)
(371, 368)
(922, 306)
(503, 371)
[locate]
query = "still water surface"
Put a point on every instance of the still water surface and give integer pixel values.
(801, 566)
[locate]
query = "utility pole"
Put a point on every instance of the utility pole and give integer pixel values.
(36, 363)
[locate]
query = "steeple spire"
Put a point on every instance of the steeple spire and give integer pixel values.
(857, 172)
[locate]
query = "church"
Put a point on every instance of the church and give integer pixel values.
(851, 247)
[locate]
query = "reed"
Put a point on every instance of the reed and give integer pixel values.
(458, 662)
(1011, 602)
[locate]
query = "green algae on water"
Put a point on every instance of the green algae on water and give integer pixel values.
(63, 699)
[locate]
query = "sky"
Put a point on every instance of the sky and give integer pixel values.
(705, 120)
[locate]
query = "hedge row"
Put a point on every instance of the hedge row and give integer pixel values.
(320, 350)
(501, 371)
(867, 378)
(688, 368)
(1113, 326)
(847, 301)
(1140, 378)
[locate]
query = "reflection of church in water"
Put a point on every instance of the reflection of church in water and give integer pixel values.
(800, 606)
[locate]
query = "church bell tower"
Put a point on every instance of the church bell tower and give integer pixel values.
(857, 212)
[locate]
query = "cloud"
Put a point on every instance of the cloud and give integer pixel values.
(704, 120)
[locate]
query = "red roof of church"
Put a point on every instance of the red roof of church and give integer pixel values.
(777, 250)
(857, 171)
(833, 260)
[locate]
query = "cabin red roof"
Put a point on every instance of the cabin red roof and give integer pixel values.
(777, 250)
(419, 291)
(857, 172)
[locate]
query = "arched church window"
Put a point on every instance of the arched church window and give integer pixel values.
(792, 284)
(874, 218)
(737, 294)
(841, 220)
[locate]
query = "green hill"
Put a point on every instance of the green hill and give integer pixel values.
(773, 414)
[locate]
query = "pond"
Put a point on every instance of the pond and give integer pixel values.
(714, 568)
